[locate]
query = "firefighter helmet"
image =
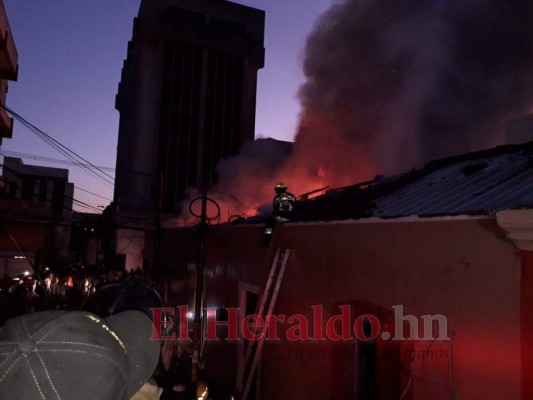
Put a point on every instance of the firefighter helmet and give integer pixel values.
(280, 188)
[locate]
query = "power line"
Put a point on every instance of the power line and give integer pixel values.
(25, 214)
(78, 202)
(68, 153)
(94, 194)
(10, 153)
(82, 204)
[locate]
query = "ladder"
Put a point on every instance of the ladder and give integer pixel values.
(253, 351)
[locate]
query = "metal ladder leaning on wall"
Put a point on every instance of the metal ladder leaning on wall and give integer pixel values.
(253, 351)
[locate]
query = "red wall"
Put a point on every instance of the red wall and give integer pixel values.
(463, 269)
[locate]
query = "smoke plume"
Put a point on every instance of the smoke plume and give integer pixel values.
(391, 84)
(401, 82)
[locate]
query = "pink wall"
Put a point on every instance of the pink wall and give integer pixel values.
(463, 269)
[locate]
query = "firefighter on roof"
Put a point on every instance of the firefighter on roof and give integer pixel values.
(283, 205)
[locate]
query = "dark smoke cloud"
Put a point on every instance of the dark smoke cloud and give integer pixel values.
(393, 83)
(246, 183)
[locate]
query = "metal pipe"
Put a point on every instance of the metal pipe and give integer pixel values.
(203, 184)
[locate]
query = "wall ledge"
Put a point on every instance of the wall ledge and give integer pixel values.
(518, 226)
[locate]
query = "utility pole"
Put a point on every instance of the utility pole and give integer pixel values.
(157, 226)
(202, 180)
(199, 290)
(159, 193)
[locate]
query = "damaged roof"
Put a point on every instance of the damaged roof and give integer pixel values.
(471, 184)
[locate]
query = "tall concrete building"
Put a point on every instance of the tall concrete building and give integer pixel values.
(186, 99)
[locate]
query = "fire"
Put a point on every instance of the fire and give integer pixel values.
(316, 160)
(249, 190)
(321, 172)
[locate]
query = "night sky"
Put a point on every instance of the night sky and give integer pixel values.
(70, 60)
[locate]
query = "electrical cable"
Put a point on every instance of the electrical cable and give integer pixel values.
(408, 383)
(25, 256)
(70, 154)
(17, 154)
(67, 155)
(452, 370)
(449, 384)
(83, 205)
(78, 202)
(94, 194)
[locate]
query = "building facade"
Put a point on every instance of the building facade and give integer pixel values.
(37, 184)
(451, 243)
(186, 98)
(463, 268)
(35, 214)
(8, 70)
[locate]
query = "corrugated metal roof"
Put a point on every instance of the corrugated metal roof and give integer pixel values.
(478, 183)
(483, 183)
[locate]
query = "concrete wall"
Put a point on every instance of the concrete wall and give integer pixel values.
(8, 70)
(464, 269)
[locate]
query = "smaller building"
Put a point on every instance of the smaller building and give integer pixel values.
(39, 184)
(35, 214)
(8, 70)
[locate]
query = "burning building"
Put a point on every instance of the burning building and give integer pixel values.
(452, 239)
(390, 86)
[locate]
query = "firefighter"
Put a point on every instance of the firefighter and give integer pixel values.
(283, 205)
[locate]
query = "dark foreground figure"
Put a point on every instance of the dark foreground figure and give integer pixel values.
(76, 355)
